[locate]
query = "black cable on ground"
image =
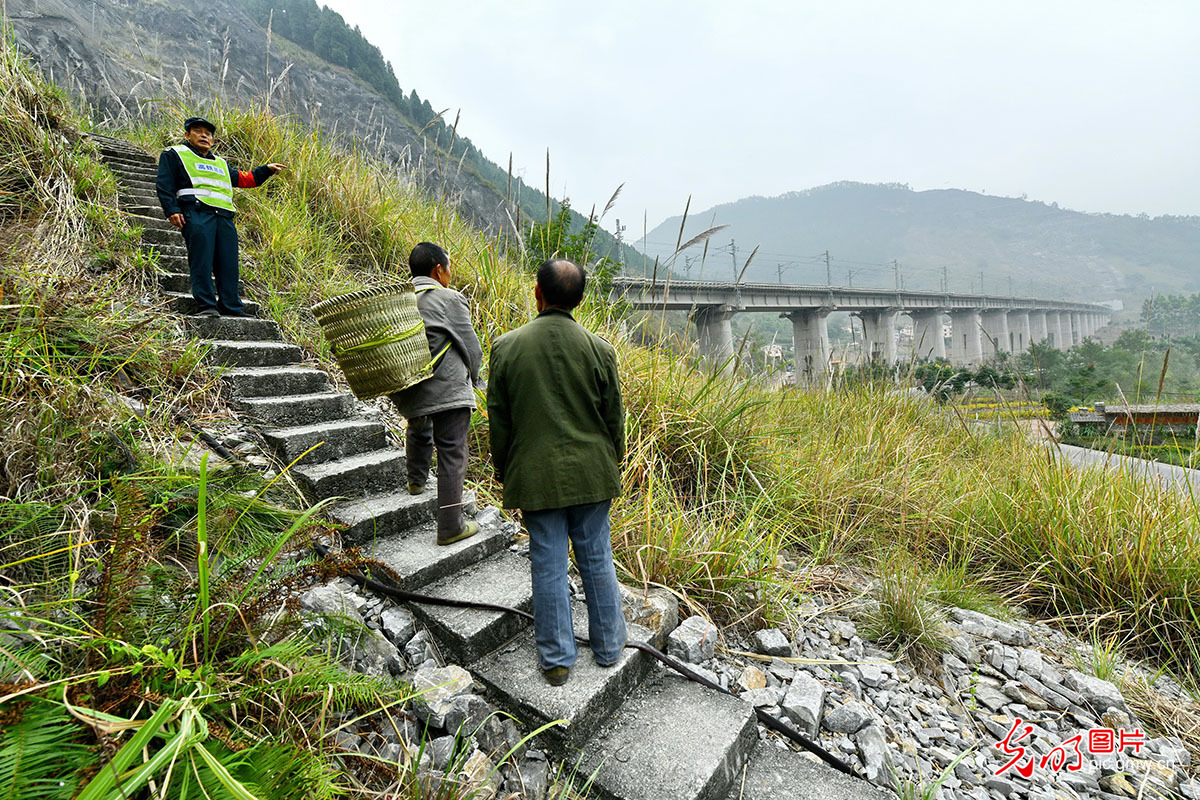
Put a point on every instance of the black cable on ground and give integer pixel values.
(396, 593)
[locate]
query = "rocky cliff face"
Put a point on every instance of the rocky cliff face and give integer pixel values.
(131, 58)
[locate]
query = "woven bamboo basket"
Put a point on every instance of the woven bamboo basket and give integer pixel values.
(378, 338)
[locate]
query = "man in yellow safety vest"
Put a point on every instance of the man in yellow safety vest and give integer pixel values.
(195, 189)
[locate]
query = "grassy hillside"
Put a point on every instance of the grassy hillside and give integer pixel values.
(731, 492)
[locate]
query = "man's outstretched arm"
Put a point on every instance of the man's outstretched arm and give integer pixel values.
(243, 179)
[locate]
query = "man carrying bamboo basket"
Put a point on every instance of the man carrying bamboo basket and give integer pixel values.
(438, 409)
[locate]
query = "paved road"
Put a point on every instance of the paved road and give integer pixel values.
(1182, 478)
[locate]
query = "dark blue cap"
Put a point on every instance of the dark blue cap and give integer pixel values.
(192, 122)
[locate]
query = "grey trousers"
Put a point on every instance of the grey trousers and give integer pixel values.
(447, 431)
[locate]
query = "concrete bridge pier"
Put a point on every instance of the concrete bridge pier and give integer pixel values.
(1061, 330)
(810, 343)
(879, 332)
(1076, 328)
(1020, 331)
(1038, 329)
(928, 341)
(995, 328)
(715, 335)
(966, 339)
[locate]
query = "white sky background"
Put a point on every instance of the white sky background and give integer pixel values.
(1092, 104)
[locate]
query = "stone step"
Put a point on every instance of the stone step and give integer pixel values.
(118, 158)
(252, 354)
(113, 144)
(170, 250)
(774, 773)
(140, 210)
(156, 234)
(671, 740)
(370, 519)
(129, 194)
(416, 556)
(181, 282)
(184, 303)
(155, 221)
(147, 171)
(303, 409)
(361, 475)
(465, 634)
(121, 150)
(141, 169)
(589, 696)
(332, 440)
(137, 183)
(237, 328)
(274, 381)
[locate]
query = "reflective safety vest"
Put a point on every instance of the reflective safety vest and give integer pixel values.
(210, 179)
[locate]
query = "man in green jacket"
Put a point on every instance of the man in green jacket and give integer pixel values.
(557, 440)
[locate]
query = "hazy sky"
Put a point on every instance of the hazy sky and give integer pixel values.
(1091, 104)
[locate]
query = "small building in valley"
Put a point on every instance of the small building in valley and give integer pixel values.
(1146, 420)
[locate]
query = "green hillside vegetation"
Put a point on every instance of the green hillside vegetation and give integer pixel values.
(323, 31)
(731, 492)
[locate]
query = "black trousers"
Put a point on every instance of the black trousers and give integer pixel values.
(212, 246)
(447, 430)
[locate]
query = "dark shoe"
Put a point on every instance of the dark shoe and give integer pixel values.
(469, 530)
(237, 314)
(207, 312)
(557, 676)
(416, 488)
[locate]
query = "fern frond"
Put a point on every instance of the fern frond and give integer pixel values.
(42, 752)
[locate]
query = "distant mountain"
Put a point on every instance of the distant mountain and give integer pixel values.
(129, 58)
(933, 236)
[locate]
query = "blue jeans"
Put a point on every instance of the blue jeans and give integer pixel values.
(587, 528)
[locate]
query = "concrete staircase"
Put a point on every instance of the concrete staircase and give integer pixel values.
(643, 732)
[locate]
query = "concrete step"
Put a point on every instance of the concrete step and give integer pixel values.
(138, 170)
(253, 354)
(144, 196)
(773, 773)
(139, 209)
(589, 696)
(121, 160)
(370, 519)
(181, 282)
(465, 634)
(138, 183)
(303, 409)
(416, 556)
(111, 144)
(361, 475)
(274, 381)
(671, 740)
(184, 303)
(124, 151)
(155, 222)
(143, 172)
(336, 439)
(156, 234)
(171, 250)
(236, 328)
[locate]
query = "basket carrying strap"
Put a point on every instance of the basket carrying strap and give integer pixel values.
(433, 362)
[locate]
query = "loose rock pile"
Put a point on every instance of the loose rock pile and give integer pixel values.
(898, 726)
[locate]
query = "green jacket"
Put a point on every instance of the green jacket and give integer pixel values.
(554, 414)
